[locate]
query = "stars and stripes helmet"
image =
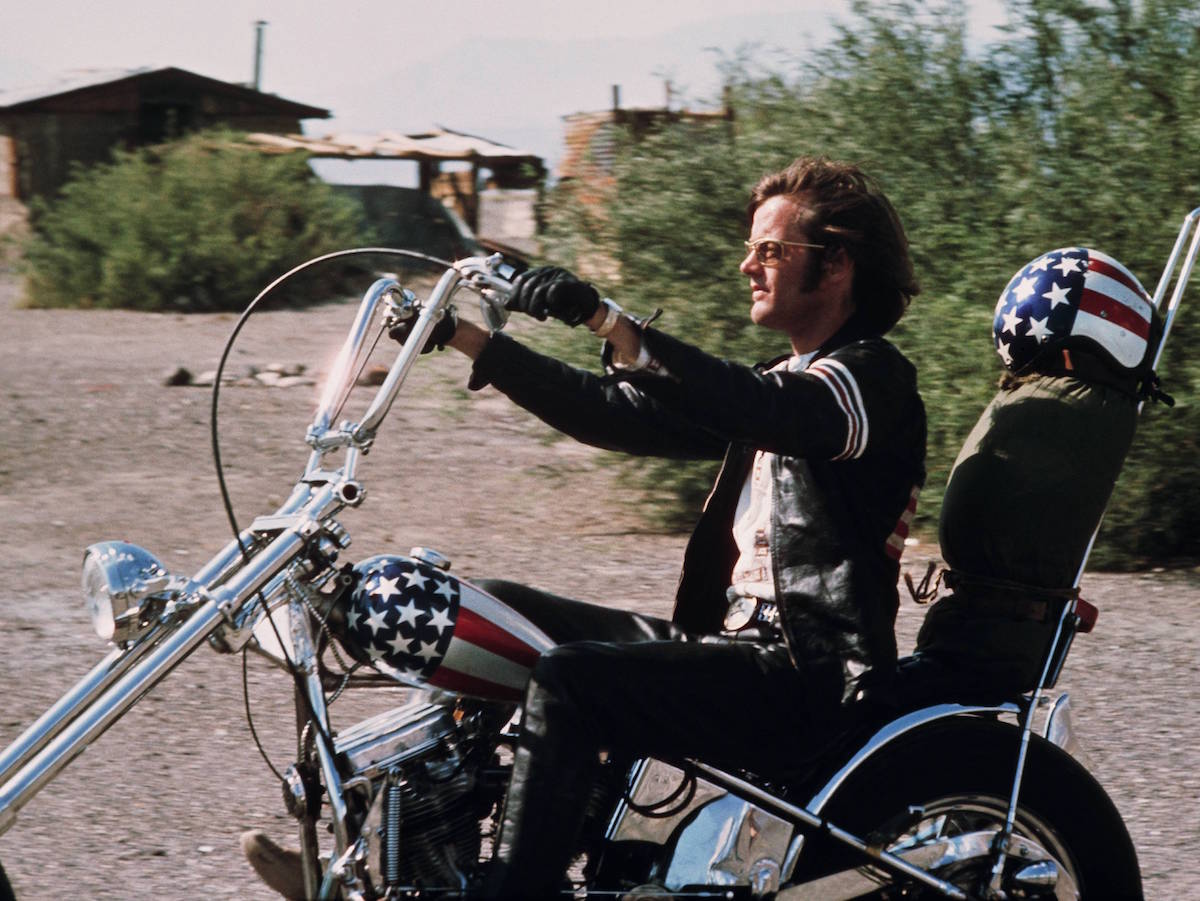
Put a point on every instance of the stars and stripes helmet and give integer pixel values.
(1074, 297)
(420, 625)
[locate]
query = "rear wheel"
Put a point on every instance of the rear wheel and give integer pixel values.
(945, 788)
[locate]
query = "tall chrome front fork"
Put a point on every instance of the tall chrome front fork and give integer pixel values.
(311, 708)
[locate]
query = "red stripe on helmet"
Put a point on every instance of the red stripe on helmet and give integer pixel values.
(472, 627)
(1116, 274)
(1113, 311)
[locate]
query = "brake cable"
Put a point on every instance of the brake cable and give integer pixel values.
(228, 348)
(214, 434)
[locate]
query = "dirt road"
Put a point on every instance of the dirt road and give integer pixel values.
(94, 447)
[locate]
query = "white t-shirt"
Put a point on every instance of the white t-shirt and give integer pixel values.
(752, 518)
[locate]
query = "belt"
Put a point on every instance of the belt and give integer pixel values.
(1014, 608)
(1000, 597)
(747, 612)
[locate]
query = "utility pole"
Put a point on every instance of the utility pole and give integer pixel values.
(259, 27)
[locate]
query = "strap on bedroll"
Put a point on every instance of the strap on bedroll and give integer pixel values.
(1002, 597)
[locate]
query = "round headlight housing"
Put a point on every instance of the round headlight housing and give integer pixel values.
(117, 580)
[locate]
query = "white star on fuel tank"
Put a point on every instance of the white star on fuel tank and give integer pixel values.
(385, 588)
(398, 644)
(426, 652)
(408, 614)
(377, 620)
(414, 579)
(426, 603)
(441, 620)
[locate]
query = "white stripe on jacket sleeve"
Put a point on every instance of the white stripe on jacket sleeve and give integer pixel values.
(841, 382)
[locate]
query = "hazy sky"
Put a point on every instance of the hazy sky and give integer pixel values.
(506, 70)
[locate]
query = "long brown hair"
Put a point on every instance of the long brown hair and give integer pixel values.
(846, 210)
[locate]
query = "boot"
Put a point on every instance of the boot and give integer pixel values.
(282, 869)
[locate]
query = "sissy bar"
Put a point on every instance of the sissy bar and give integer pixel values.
(1076, 614)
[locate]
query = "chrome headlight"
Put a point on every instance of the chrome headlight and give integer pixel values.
(117, 579)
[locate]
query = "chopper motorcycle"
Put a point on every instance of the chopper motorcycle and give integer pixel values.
(962, 799)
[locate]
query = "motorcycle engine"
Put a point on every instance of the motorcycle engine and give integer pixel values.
(427, 798)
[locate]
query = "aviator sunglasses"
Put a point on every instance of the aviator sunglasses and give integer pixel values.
(769, 251)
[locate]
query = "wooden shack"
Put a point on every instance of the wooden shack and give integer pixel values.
(494, 189)
(81, 119)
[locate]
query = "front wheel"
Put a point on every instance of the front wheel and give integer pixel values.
(945, 788)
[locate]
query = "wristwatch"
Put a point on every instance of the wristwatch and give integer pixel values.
(611, 315)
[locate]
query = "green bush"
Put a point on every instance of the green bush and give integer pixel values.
(201, 223)
(1074, 129)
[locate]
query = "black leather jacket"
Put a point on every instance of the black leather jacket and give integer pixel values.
(849, 438)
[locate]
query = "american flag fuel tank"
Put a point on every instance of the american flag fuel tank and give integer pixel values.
(421, 625)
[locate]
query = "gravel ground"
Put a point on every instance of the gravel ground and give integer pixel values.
(95, 447)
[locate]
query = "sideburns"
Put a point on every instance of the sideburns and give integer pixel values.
(811, 277)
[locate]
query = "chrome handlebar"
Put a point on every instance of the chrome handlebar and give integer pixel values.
(490, 277)
(255, 570)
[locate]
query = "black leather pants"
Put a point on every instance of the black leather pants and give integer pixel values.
(733, 703)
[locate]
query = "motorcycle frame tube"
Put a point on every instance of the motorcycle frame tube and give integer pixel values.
(1189, 222)
(872, 746)
(1168, 314)
(890, 862)
(1062, 634)
(811, 814)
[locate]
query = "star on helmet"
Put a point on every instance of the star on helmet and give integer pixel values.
(1025, 288)
(1067, 265)
(1011, 321)
(1056, 295)
(1038, 329)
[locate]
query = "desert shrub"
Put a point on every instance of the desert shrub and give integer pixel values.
(201, 223)
(1071, 130)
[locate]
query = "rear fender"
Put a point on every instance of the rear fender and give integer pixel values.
(893, 730)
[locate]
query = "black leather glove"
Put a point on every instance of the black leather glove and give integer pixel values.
(443, 330)
(551, 291)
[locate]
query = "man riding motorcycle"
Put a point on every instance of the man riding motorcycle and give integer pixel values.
(786, 604)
